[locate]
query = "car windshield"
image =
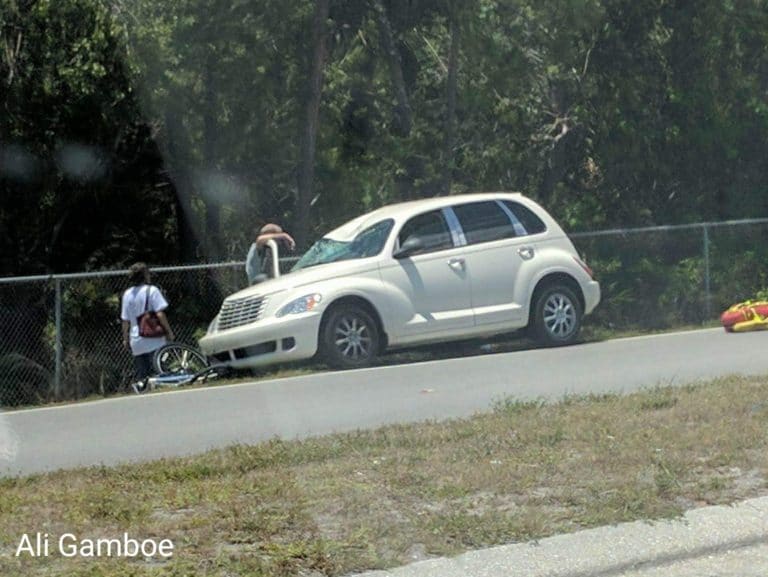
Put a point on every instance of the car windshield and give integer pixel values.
(369, 242)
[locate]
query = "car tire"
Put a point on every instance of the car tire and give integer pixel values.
(349, 338)
(556, 316)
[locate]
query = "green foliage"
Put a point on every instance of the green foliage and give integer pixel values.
(608, 111)
(80, 175)
(25, 381)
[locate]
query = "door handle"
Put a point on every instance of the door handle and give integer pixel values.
(456, 263)
(526, 252)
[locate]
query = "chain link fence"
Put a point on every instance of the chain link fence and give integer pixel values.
(673, 276)
(60, 336)
(61, 339)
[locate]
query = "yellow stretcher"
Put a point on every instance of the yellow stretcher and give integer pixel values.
(746, 316)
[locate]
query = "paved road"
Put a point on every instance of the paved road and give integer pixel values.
(186, 422)
(708, 542)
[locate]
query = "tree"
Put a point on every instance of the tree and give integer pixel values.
(82, 179)
(454, 25)
(391, 54)
(312, 110)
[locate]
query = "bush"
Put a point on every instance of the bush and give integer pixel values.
(25, 382)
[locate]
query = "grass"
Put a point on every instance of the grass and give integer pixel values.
(375, 499)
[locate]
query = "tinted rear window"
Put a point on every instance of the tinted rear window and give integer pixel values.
(532, 223)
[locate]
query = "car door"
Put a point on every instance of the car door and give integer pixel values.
(432, 283)
(495, 249)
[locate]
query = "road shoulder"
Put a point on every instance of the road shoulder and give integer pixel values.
(636, 549)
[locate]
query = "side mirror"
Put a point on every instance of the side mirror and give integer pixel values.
(412, 245)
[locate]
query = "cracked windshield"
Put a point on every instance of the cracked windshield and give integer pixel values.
(383, 288)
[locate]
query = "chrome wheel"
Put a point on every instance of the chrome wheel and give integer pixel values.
(559, 315)
(353, 338)
(349, 337)
(555, 316)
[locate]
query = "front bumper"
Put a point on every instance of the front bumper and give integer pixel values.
(265, 342)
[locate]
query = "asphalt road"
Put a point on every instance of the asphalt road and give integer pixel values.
(190, 421)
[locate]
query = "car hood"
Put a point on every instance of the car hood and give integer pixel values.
(307, 277)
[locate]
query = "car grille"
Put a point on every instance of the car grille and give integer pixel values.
(237, 312)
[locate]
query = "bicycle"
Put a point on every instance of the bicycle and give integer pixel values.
(178, 364)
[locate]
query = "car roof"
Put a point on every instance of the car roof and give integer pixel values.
(403, 210)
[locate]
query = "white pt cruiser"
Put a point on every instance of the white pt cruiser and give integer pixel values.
(418, 272)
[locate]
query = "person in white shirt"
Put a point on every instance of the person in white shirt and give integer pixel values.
(257, 263)
(140, 297)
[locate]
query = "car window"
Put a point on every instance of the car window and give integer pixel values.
(431, 228)
(484, 222)
(532, 223)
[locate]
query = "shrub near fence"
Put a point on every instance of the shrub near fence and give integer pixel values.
(26, 350)
(650, 280)
(60, 336)
(664, 277)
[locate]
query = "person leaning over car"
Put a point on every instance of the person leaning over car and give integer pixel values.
(142, 296)
(257, 263)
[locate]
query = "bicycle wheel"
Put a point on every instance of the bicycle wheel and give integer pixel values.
(178, 358)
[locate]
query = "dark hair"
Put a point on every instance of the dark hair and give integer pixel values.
(138, 274)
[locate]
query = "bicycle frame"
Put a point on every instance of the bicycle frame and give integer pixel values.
(178, 364)
(183, 378)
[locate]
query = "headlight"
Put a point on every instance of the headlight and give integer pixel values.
(300, 305)
(214, 324)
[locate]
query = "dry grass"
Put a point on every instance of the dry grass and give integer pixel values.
(346, 503)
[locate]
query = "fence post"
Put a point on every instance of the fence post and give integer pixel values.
(57, 318)
(708, 296)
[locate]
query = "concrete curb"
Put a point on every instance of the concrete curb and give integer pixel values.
(610, 551)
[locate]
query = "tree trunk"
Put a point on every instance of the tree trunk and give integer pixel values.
(403, 113)
(309, 136)
(212, 204)
(449, 155)
(183, 189)
(564, 137)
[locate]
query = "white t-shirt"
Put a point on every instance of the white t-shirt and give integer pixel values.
(134, 301)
